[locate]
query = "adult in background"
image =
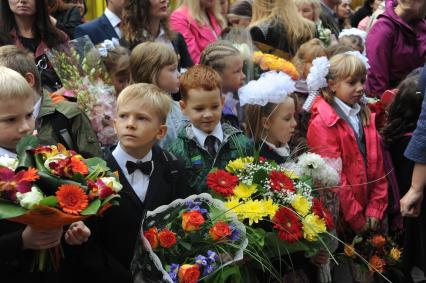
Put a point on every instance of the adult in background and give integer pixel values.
(240, 13)
(366, 10)
(106, 26)
(344, 13)
(66, 15)
(329, 16)
(396, 44)
(147, 20)
(277, 27)
(200, 22)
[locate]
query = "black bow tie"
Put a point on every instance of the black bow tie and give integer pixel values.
(145, 167)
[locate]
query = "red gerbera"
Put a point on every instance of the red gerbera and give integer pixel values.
(279, 181)
(222, 182)
(72, 198)
(322, 212)
(288, 225)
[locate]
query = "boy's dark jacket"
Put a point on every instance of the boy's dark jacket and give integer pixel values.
(198, 162)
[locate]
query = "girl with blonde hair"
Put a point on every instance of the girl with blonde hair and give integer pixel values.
(200, 22)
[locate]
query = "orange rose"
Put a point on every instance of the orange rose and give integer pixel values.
(377, 264)
(189, 273)
(192, 220)
(167, 238)
(378, 241)
(152, 236)
(220, 230)
(349, 250)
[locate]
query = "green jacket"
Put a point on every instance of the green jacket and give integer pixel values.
(81, 133)
(198, 162)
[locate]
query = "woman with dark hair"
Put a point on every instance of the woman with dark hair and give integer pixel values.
(69, 14)
(147, 20)
(366, 10)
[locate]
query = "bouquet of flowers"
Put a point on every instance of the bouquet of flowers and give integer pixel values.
(188, 240)
(269, 62)
(49, 187)
(80, 68)
(372, 253)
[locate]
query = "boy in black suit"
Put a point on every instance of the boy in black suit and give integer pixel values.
(150, 176)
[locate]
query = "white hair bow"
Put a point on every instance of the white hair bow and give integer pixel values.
(108, 45)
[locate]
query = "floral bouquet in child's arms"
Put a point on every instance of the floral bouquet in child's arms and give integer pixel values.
(80, 68)
(188, 240)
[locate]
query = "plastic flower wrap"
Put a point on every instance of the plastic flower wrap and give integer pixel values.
(269, 62)
(80, 68)
(188, 240)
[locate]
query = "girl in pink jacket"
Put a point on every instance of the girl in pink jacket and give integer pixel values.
(342, 127)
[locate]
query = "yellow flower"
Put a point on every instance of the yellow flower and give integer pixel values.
(234, 205)
(253, 210)
(312, 226)
(243, 191)
(270, 207)
(395, 254)
(291, 174)
(301, 205)
(238, 164)
(349, 250)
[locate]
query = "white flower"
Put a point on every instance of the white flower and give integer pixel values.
(317, 74)
(310, 161)
(30, 199)
(112, 183)
(312, 164)
(8, 162)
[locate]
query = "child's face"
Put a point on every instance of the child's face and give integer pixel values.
(282, 124)
(168, 78)
(203, 108)
(120, 82)
(16, 120)
(232, 75)
(349, 90)
(307, 11)
(138, 127)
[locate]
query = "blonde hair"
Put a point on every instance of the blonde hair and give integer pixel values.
(284, 12)
(315, 4)
(117, 62)
(159, 101)
(343, 66)
(13, 85)
(215, 55)
(196, 12)
(307, 52)
(147, 59)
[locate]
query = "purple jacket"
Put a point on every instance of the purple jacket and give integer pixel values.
(394, 49)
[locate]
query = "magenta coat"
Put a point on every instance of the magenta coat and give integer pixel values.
(394, 49)
(196, 37)
(332, 137)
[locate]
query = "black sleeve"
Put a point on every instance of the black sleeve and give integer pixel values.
(257, 34)
(10, 240)
(181, 49)
(70, 21)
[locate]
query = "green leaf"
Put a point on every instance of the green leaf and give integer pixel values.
(259, 176)
(93, 208)
(96, 162)
(256, 236)
(9, 210)
(186, 245)
(230, 273)
(109, 198)
(49, 201)
(49, 183)
(217, 214)
(23, 149)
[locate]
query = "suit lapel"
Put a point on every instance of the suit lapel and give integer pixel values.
(108, 28)
(156, 181)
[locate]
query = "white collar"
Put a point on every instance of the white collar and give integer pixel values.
(7, 152)
(112, 18)
(349, 111)
(201, 136)
(122, 157)
(283, 151)
(37, 107)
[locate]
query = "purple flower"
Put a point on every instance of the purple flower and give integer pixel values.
(201, 260)
(195, 205)
(235, 233)
(208, 270)
(212, 257)
(174, 270)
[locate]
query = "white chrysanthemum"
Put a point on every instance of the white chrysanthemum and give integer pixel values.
(312, 164)
(271, 87)
(317, 74)
(310, 160)
(9, 162)
(29, 199)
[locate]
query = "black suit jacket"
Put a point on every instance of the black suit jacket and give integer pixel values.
(98, 30)
(329, 21)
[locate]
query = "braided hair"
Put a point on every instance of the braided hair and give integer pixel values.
(215, 55)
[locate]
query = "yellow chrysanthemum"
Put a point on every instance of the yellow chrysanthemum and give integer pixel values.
(253, 210)
(238, 164)
(301, 205)
(243, 191)
(395, 254)
(291, 174)
(312, 226)
(270, 207)
(234, 205)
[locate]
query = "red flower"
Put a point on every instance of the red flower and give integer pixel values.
(279, 181)
(222, 182)
(192, 220)
(378, 241)
(219, 231)
(167, 238)
(189, 273)
(322, 212)
(288, 225)
(72, 198)
(377, 264)
(19, 182)
(152, 236)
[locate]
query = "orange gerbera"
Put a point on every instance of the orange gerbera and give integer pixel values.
(72, 198)
(29, 175)
(78, 166)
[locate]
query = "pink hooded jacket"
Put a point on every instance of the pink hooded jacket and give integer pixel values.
(364, 189)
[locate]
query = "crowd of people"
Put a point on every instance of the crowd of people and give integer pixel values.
(179, 88)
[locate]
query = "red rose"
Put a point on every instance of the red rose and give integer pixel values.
(189, 273)
(220, 230)
(222, 182)
(192, 220)
(152, 236)
(167, 238)
(279, 181)
(378, 241)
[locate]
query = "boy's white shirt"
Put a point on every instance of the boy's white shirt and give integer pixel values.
(137, 179)
(351, 112)
(4, 152)
(37, 108)
(201, 136)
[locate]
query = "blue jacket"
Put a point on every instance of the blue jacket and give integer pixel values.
(416, 149)
(98, 30)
